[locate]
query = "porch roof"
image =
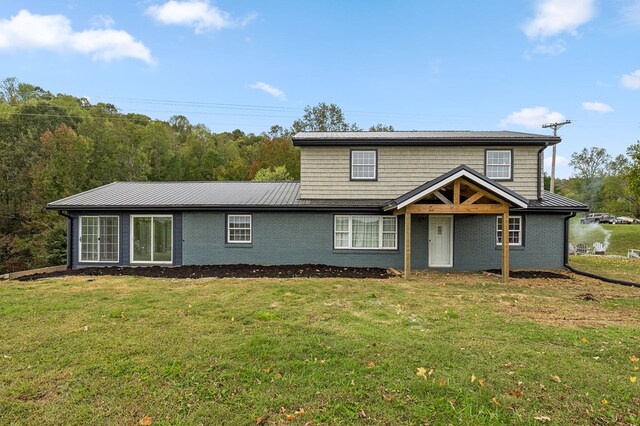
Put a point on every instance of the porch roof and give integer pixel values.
(462, 171)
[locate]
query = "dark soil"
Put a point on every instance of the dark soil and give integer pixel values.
(224, 271)
(532, 274)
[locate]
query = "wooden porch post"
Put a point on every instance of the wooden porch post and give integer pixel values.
(505, 246)
(407, 245)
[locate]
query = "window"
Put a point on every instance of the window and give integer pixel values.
(99, 238)
(151, 239)
(498, 164)
(239, 228)
(515, 231)
(365, 232)
(363, 165)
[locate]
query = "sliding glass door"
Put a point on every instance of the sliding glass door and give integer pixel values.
(151, 239)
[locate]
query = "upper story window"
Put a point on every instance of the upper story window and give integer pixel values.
(498, 164)
(364, 165)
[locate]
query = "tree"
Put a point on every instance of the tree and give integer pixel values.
(323, 118)
(590, 163)
(272, 174)
(381, 128)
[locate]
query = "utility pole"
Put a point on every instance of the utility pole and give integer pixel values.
(555, 127)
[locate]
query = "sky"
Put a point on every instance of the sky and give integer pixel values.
(417, 65)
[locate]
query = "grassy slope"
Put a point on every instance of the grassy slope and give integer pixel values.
(113, 350)
(612, 267)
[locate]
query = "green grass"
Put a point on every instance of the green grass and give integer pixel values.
(622, 237)
(112, 350)
(619, 268)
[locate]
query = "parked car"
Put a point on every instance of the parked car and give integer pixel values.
(626, 220)
(598, 218)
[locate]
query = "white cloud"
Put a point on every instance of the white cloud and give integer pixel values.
(102, 21)
(554, 49)
(631, 13)
(532, 117)
(555, 17)
(632, 80)
(199, 14)
(54, 32)
(597, 107)
(273, 91)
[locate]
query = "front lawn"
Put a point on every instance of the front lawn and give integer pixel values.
(620, 268)
(439, 349)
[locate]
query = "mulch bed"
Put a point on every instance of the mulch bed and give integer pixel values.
(223, 271)
(532, 274)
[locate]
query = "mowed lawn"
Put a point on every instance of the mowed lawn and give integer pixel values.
(438, 349)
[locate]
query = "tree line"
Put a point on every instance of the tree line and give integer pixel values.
(605, 183)
(53, 146)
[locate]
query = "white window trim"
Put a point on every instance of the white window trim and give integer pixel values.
(80, 240)
(375, 164)
(350, 235)
(510, 165)
(519, 243)
(131, 246)
(250, 229)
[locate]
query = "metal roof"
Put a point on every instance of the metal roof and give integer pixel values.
(248, 196)
(433, 137)
(205, 195)
(551, 201)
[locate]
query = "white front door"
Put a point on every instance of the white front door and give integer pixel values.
(440, 241)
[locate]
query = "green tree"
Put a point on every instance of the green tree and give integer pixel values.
(277, 173)
(323, 118)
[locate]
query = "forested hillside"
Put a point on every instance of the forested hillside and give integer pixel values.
(52, 146)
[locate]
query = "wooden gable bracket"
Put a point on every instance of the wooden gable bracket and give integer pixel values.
(441, 197)
(469, 206)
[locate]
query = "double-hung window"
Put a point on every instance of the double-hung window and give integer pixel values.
(239, 228)
(365, 232)
(364, 164)
(515, 230)
(151, 238)
(99, 238)
(498, 164)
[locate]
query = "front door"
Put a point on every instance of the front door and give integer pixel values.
(440, 241)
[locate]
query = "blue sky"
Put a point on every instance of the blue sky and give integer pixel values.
(424, 65)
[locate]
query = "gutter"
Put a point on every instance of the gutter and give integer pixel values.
(587, 274)
(540, 173)
(69, 237)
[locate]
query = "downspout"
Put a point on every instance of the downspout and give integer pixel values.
(540, 173)
(587, 274)
(69, 237)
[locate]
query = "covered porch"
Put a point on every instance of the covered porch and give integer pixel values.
(462, 191)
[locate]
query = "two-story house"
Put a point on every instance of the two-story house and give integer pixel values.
(444, 200)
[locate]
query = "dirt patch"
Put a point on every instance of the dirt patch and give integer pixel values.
(223, 271)
(532, 274)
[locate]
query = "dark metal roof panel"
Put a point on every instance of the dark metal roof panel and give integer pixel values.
(435, 137)
(553, 201)
(201, 195)
(166, 194)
